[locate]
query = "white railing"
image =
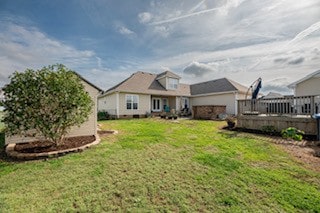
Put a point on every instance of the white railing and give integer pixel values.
(302, 105)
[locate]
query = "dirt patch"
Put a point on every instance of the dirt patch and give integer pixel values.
(309, 154)
(47, 146)
(306, 151)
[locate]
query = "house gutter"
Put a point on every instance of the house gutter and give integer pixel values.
(215, 93)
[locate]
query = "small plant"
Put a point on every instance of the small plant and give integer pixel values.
(103, 115)
(269, 130)
(148, 115)
(172, 116)
(231, 121)
(292, 133)
(163, 115)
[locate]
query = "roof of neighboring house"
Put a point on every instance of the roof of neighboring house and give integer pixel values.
(217, 86)
(168, 74)
(273, 95)
(146, 83)
(315, 74)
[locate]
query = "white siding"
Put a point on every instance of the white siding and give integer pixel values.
(87, 128)
(143, 105)
(178, 103)
(308, 87)
(108, 103)
(90, 126)
(227, 100)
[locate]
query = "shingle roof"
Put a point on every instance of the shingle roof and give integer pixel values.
(146, 83)
(273, 95)
(217, 86)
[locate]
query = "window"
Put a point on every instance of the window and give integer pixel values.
(132, 101)
(173, 83)
(156, 104)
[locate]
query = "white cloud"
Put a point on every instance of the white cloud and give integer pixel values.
(162, 31)
(125, 31)
(144, 17)
(24, 47)
(198, 69)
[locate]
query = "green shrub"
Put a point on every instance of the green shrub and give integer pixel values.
(51, 101)
(292, 133)
(231, 121)
(269, 130)
(103, 115)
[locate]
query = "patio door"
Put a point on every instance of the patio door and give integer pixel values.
(165, 104)
(156, 104)
(185, 103)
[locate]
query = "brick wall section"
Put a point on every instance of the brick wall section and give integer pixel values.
(207, 112)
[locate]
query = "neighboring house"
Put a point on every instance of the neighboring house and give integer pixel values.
(272, 95)
(144, 93)
(309, 85)
(87, 128)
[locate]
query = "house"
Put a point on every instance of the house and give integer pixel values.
(87, 128)
(144, 93)
(272, 95)
(309, 85)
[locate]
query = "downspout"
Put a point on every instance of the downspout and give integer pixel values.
(150, 101)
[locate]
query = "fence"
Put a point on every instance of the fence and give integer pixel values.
(302, 105)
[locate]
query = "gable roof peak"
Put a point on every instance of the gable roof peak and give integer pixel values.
(311, 75)
(169, 74)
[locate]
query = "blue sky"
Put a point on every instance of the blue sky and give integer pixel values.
(108, 40)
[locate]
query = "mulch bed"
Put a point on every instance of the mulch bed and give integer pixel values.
(47, 146)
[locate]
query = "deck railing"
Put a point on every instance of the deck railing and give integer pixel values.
(299, 105)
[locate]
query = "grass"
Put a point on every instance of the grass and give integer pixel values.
(157, 165)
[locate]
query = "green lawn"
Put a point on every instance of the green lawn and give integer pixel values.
(157, 165)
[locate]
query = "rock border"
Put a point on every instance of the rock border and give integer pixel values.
(53, 154)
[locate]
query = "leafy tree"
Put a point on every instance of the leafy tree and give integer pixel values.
(48, 101)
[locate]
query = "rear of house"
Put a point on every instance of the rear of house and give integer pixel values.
(146, 93)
